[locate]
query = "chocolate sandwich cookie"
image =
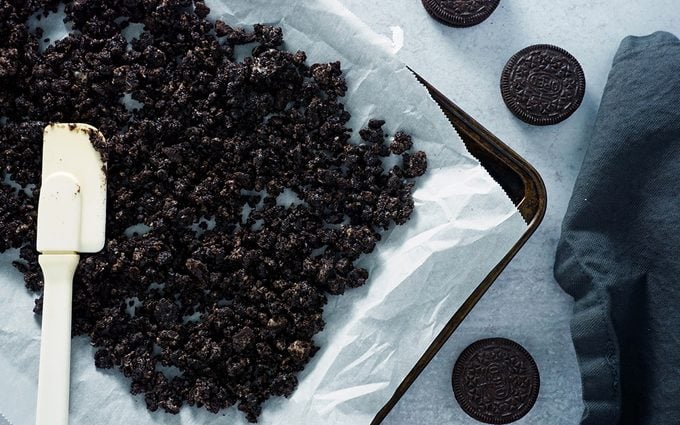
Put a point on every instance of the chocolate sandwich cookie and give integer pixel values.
(496, 381)
(543, 84)
(460, 13)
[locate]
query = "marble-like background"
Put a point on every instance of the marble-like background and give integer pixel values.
(525, 304)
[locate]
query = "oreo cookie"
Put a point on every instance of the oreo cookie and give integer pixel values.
(496, 381)
(460, 13)
(543, 84)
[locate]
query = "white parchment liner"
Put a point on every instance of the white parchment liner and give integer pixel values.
(421, 273)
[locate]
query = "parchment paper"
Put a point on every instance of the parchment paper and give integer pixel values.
(420, 274)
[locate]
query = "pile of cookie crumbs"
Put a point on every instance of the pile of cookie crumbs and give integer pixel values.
(238, 200)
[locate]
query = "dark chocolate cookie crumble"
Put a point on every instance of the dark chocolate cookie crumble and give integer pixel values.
(238, 200)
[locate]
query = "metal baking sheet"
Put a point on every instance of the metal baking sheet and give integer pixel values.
(523, 185)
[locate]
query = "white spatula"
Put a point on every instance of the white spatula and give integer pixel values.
(71, 219)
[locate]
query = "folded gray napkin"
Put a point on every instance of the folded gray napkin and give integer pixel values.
(619, 255)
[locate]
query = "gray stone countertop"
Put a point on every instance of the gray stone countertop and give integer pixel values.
(525, 304)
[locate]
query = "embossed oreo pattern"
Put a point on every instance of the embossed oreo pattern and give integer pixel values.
(543, 84)
(461, 13)
(496, 381)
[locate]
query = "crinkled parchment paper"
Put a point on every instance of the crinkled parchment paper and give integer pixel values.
(420, 274)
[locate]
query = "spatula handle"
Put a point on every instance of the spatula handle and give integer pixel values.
(55, 346)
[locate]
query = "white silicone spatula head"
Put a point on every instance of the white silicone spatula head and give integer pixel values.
(71, 219)
(72, 207)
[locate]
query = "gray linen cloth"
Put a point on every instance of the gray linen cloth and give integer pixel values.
(619, 254)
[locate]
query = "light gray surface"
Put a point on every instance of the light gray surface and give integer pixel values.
(525, 304)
